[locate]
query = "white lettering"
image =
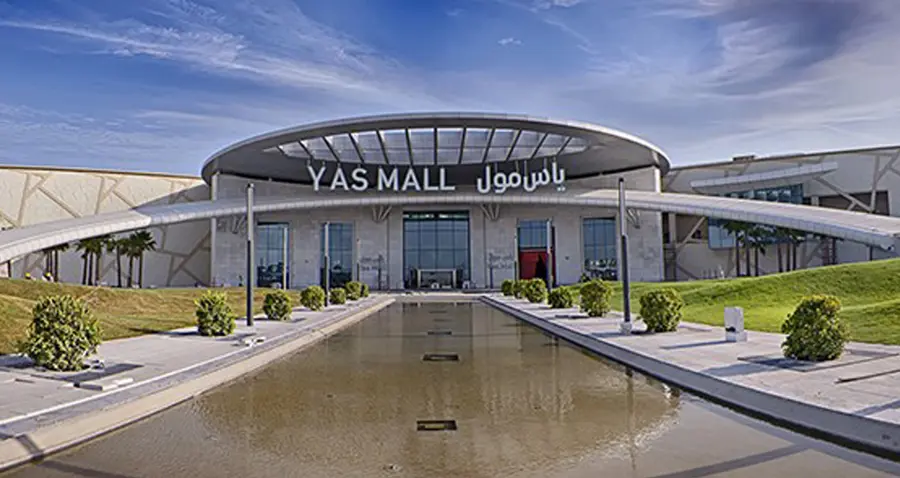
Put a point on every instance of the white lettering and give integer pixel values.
(484, 183)
(443, 181)
(360, 181)
(427, 180)
(500, 183)
(317, 178)
(410, 180)
(515, 180)
(387, 181)
(339, 180)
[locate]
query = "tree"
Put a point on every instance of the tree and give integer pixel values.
(117, 245)
(137, 244)
(759, 237)
(101, 245)
(739, 230)
(52, 260)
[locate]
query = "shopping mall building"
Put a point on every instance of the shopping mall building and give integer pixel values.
(456, 201)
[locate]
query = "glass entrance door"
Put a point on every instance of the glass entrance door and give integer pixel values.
(271, 261)
(435, 249)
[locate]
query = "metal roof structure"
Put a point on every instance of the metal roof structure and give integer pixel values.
(875, 230)
(462, 142)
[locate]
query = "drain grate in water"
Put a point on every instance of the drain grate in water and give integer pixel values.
(441, 357)
(440, 332)
(435, 425)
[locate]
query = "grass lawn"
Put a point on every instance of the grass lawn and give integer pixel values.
(869, 293)
(121, 312)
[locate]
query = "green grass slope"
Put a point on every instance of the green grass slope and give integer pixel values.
(121, 312)
(869, 293)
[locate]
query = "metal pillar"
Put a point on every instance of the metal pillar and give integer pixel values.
(251, 230)
(549, 254)
(626, 283)
(516, 254)
(284, 258)
(327, 243)
(356, 253)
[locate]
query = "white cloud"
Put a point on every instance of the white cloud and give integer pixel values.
(509, 41)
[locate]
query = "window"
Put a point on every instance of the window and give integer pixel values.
(533, 234)
(435, 241)
(340, 253)
(270, 259)
(719, 238)
(599, 239)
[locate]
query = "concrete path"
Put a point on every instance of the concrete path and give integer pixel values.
(47, 404)
(856, 398)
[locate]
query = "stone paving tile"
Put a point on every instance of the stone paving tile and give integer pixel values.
(702, 348)
(28, 390)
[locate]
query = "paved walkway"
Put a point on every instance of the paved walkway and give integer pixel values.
(139, 366)
(863, 384)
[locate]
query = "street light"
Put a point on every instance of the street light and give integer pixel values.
(251, 229)
(626, 325)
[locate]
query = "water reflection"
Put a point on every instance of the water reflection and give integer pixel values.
(520, 402)
(524, 405)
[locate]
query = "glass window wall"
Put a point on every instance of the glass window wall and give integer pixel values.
(719, 238)
(340, 253)
(270, 258)
(599, 239)
(435, 249)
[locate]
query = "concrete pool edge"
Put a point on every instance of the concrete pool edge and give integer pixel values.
(854, 431)
(42, 442)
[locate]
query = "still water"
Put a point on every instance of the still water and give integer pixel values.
(523, 406)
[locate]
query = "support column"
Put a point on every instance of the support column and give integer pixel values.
(251, 230)
(626, 284)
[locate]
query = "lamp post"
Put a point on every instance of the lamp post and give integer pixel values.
(549, 254)
(327, 265)
(626, 325)
(251, 229)
(284, 258)
(516, 254)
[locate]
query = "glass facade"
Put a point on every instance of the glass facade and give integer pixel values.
(270, 260)
(435, 248)
(340, 253)
(599, 239)
(719, 238)
(533, 234)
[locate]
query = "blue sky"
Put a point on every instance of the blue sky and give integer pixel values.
(159, 85)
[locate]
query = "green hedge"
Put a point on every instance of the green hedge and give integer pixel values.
(562, 297)
(313, 298)
(338, 296)
(535, 290)
(277, 305)
(354, 290)
(814, 330)
(519, 289)
(595, 296)
(365, 289)
(661, 310)
(214, 317)
(61, 334)
(507, 287)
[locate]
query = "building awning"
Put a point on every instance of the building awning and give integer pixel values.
(763, 180)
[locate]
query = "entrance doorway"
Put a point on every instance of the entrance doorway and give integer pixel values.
(533, 260)
(435, 249)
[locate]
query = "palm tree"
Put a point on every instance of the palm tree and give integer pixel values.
(138, 243)
(117, 245)
(739, 231)
(84, 246)
(102, 242)
(52, 260)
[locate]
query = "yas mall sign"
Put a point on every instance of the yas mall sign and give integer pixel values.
(390, 179)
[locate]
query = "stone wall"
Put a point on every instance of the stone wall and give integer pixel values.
(34, 195)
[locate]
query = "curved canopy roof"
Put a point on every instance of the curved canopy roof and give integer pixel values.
(871, 229)
(463, 142)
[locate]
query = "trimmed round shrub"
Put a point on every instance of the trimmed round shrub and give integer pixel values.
(214, 317)
(338, 296)
(562, 297)
(535, 290)
(313, 298)
(661, 310)
(519, 289)
(814, 331)
(365, 289)
(354, 290)
(277, 305)
(61, 334)
(595, 296)
(507, 287)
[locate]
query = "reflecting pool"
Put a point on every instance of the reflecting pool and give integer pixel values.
(522, 405)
